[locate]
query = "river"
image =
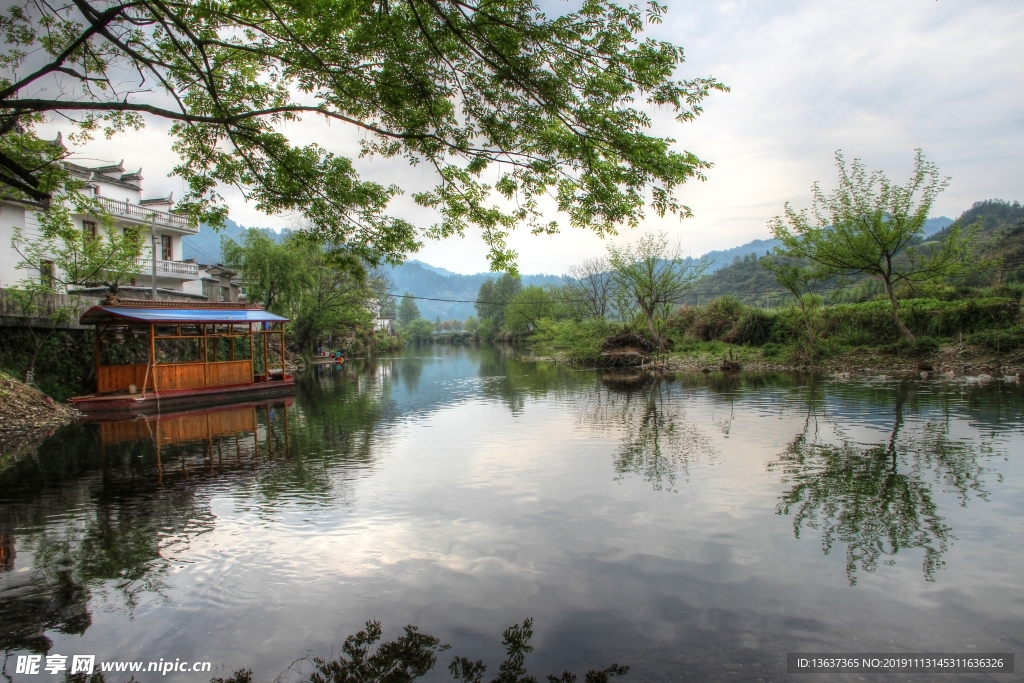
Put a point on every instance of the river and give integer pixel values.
(692, 527)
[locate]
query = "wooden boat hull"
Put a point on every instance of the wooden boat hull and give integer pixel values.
(151, 402)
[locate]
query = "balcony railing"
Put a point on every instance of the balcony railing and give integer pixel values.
(144, 213)
(182, 269)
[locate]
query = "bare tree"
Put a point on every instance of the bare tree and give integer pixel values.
(588, 288)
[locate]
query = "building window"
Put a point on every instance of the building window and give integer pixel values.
(89, 228)
(46, 274)
(225, 294)
(166, 250)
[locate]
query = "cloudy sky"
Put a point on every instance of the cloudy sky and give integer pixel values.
(875, 78)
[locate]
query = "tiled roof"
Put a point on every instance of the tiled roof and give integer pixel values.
(118, 168)
(169, 199)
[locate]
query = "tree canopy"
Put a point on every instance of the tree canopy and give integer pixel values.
(504, 103)
(494, 295)
(872, 226)
(652, 275)
(527, 307)
(320, 289)
(272, 271)
(407, 310)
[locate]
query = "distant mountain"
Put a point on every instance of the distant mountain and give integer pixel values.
(205, 246)
(995, 216)
(721, 258)
(424, 280)
(934, 225)
(434, 269)
(421, 279)
(1001, 238)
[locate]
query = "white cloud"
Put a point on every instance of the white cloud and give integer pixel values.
(877, 79)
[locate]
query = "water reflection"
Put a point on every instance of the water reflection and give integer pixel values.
(513, 383)
(646, 519)
(657, 441)
(117, 506)
(877, 498)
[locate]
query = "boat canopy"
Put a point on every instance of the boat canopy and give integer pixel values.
(104, 314)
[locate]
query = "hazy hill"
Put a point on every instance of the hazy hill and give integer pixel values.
(731, 271)
(205, 246)
(1001, 237)
(995, 216)
(721, 258)
(422, 279)
(748, 281)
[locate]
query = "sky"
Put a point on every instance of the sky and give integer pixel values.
(874, 78)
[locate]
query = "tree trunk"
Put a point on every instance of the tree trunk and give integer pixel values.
(812, 346)
(649, 317)
(811, 343)
(30, 371)
(904, 331)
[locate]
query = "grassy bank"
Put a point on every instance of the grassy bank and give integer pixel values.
(963, 331)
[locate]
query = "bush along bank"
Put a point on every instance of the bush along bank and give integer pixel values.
(981, 331)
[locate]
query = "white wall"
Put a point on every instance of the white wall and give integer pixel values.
(111, 191)
(11, 216)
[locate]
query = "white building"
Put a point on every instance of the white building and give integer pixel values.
(120, 193)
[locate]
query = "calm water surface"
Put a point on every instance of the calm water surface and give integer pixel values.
(696, 528)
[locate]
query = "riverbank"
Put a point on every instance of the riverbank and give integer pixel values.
(970, 332)
(948, 359)
(27, 416)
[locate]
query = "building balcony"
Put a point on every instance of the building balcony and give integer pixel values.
(143, 214)
(182, 270)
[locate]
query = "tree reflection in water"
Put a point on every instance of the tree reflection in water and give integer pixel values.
(513, 383)
(103, 512)
(876, 498)
(658, 442)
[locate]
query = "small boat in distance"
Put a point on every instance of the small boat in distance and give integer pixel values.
(154, 355)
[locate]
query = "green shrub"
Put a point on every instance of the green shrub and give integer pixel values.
(486, 330)
(754, 328)
(579, 340)
(419, 331)
(681, 319)
(872, 318)
(789, 325)
(1000, 340)
(851, 335)
(827, 348)
(937, 318)
(924, 345)
(771, 350)
(716, 319)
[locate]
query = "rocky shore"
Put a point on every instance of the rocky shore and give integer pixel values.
(27, 416)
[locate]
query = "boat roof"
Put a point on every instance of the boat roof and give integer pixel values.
(101, 314)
